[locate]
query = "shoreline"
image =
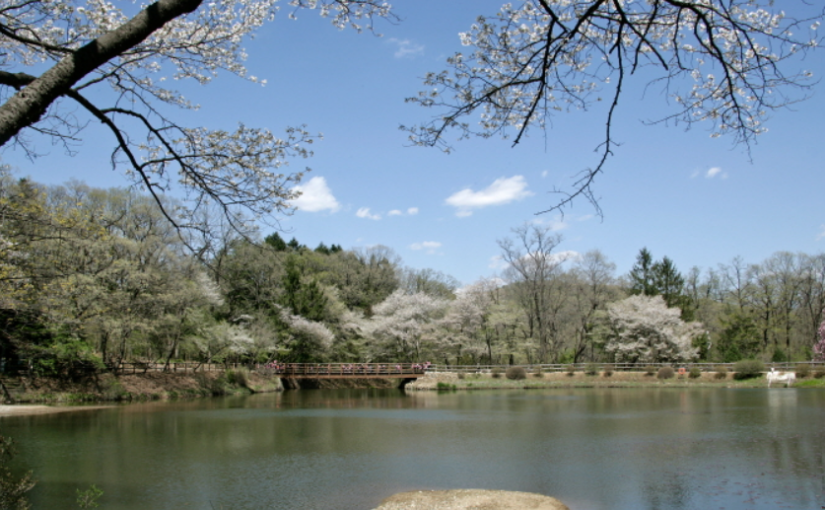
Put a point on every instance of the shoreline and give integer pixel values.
(38, 409)
(451, 381)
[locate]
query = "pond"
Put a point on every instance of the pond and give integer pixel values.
(595, 449)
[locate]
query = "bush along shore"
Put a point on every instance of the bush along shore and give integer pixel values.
(136, 387)
(597, 377)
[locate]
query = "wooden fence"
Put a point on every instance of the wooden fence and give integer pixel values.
(377, 369)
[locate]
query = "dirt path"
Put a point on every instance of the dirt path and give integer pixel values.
(470, 499)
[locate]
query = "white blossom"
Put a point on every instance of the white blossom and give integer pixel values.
(645, 330)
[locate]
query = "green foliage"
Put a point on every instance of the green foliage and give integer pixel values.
(819, 373)
(276, 242)
(304, 298)
(721, 372)
(739, 338)
(695, 373)
(516, 373)
(537, 373)
(571, 370)
(13, 489)
(591, 369)
(89, 497)
(779, 356)
(238, 377)
(607, 371)
(497, 372)
(748, 368)
(803, 370)
(442, 386)
(650, 370)
(666, 373)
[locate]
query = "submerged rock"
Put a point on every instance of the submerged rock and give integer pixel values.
(470, 499)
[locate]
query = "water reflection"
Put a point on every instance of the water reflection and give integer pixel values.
(594, 449)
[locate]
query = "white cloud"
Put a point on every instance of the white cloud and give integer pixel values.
(315, 196)
(714, 171)
(821, 234)
(497, 263)
(502, 191)
(429, 246)
(398, 212)
(554, 224)
(406, 48)
(364, 212)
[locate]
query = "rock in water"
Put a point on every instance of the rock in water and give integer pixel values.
(470, 499)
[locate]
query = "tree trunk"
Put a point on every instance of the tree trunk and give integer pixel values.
(28, 105)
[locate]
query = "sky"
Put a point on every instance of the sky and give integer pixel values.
(699, 200)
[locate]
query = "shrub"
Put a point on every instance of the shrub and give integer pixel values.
(748, 368)
(607, 372)
(721, 372)
(442, 386)
(819, 373)
(803, 370)
(591, 369)
(497, 372)
(650, 370)
(537, 373)
(695, 373)
(516, 373)
(238, 377)
(665, 373)
(461, 375)
(571, 370)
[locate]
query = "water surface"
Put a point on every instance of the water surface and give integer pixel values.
(595, 449)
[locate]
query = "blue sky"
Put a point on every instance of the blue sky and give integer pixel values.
(697, 199)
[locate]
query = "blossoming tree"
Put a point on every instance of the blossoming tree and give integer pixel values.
(645, 330)
(727, 62)
(110, 65)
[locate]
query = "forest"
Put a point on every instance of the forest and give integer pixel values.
(92, 277)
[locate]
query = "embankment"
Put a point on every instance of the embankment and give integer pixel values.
(147, 386)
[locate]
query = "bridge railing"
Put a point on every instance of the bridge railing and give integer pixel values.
(342, 369)
(616, 367)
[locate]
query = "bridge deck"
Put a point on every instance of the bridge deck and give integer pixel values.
(344, 371)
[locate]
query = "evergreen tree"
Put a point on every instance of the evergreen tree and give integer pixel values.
(642, 275)
(275, 241)
(305, 299)
(668, 282)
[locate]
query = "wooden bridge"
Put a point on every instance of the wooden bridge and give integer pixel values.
(344, 370)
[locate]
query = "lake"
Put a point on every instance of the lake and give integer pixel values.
(594, 449)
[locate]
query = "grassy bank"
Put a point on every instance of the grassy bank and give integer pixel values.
(452, 381)
(136, 387)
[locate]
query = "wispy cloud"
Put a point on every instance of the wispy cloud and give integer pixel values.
(497, 263)
(821, 234)
(500, 192)
(364, 212)
(412, 211)
(316, 196)
(429, 246)
(714, 172)
(406, 48)
(555, 224)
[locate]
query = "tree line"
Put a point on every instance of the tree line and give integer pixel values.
(98, 276)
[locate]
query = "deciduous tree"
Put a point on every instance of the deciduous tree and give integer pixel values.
(645, 330)
(728, 63)
(107, 64)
